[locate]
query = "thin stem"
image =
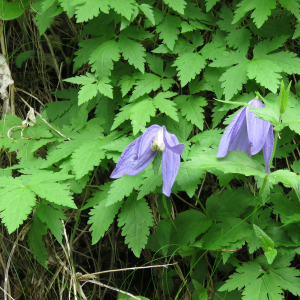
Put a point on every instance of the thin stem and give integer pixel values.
(204, 210)
(275, 143)
(79, 212)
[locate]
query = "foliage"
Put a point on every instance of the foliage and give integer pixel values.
(145, 62)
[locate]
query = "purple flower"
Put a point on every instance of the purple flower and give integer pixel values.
(248, 133)
(139, 154)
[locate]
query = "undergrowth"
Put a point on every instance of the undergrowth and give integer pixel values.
(93, 77)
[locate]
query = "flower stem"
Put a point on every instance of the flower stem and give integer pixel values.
(275, 143)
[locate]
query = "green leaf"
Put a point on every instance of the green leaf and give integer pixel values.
(234, 78)
(229, 204)
(52, 218)
(189, 179)
(234, 162)
(191, 108)
(147, 83)
(166, 106)
(87, 10)
(292, 6)
(245, 275)
(44, 20)
(16, 203)
(265, 72)
(88, 78)
(86, 93)
(123, 7)
(105, 88)
(103, 56)
(239, 39)
(134, 52)
(122, 187)
(149, 184)
(86, 157)
(24, 56)
(263, 288)
(188, 66)
(35, 240)
(210, 4)
(266, 243)
(147, 10)
(287, 279)
(262, 9)
(141, 113)
(297, 31)
(68, 7)
(168, 30)
(231, 234)
(101, 216)
(177, 5)
(136, 217)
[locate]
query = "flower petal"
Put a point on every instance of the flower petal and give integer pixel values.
(231, 132)
(268, 148)
(241, 140)
(170, 167)
(172, 143)
(128, 162)
(147, 138)
(257, 128)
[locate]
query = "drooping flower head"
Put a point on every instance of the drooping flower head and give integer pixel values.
(248, 133)
(139, 154)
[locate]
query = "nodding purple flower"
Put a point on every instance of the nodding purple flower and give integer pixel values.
(248, 133)
(139, 154)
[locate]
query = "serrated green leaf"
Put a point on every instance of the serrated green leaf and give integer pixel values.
(136, 217)
(265, 72)
(234, 78)
(101, 216)
(189, 179)
(292, 6)
(16, 203)
(234, 162)
(297, 31)
(148, 82)
(44, 20)
(188, 66)
(105, 88)
(262, 9)
(239, 39)
(35, 240)
(122, 187)
(68, 7)
(166, 106)
(123, 7)
(86, 93)
(141, 113)
(82, 79)
(147, 10)
(168, 30)
(87, 10)
(134, 52)
(191, 108)
(245, 274)
(177, 5)
(86, 157)
(103, 56)
(52, 218)
(149, 184)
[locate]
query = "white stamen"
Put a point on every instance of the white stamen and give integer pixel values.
(158, 142)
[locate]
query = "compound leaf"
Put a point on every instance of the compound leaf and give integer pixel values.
(136, 217)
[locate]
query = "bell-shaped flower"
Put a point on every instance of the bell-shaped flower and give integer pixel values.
(248, 133)
(139, 154)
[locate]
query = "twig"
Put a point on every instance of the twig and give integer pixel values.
(112, 288)
(126, 269)
(45, 120)
(20, 90)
